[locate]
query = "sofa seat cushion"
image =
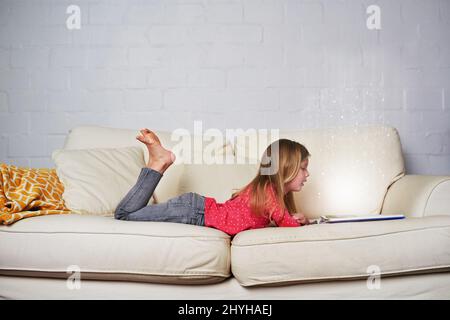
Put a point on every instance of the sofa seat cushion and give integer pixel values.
(342, 251)
(107, 249)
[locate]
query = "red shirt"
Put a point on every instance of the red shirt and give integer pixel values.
(234, 215)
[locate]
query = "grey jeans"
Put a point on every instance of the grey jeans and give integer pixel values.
(186, 208)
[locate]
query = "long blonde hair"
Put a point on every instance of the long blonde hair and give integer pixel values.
(286, 155)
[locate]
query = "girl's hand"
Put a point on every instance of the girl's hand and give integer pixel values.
(301, 218)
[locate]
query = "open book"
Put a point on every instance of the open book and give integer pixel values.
(338, 219)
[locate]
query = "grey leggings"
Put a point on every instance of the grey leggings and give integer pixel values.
(186, 208)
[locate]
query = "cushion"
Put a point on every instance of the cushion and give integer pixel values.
(341, 251)
(189, 149)
(350, 168)
(107, 249)
(218, 181)
(96, 180)
(94, 137)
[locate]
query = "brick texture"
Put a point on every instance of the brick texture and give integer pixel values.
(287, 64)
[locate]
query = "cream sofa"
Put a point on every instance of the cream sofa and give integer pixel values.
(353, 171)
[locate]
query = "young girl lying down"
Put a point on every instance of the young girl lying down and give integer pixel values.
(264, 201)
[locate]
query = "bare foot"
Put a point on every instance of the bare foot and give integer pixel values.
(159, 158)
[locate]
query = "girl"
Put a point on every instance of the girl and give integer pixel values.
(266, 200)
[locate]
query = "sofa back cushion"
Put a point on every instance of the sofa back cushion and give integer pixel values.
(350, 168)
(92, 137)
(218, 181)
(185, 146)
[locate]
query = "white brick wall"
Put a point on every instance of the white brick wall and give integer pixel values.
(286, 64)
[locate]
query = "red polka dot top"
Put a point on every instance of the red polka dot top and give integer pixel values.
(234, 215)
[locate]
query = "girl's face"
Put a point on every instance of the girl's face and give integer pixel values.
(297, 183)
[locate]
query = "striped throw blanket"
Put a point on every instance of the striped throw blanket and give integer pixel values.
(29, 192)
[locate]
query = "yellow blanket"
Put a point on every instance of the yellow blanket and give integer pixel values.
(28, 192)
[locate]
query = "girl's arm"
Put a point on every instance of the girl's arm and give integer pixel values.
(284, 219)
(301, 218)
(281, 217)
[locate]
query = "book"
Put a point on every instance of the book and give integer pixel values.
(339, 219)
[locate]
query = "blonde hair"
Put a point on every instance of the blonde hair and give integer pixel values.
(286, 155)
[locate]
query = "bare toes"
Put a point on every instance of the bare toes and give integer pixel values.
(140, 138)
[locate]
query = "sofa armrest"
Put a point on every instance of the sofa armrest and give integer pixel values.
(418, 196)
